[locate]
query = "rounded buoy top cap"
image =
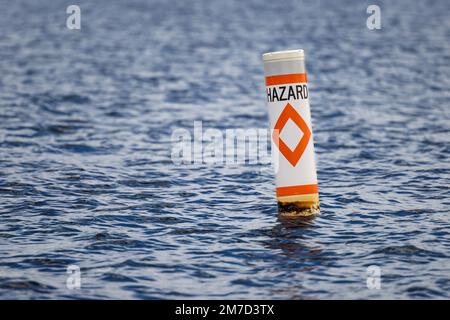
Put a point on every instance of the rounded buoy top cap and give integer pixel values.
(283, 55)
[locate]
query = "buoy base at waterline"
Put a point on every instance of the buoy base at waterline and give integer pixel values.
(305, 205)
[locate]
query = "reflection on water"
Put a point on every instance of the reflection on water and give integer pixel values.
(292, 238)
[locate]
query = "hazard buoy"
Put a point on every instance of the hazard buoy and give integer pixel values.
(292, 139)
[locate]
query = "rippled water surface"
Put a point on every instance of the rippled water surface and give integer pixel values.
(86, 177)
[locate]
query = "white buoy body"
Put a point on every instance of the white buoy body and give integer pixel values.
(287, 98)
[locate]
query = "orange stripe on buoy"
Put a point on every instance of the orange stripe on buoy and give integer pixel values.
(297, 190)
(285, 79)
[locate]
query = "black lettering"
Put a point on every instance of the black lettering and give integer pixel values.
(291, 94)
(285, 93)
(299, 91)
(269, 95)
(283, 89)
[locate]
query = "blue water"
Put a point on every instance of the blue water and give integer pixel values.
(86, 176)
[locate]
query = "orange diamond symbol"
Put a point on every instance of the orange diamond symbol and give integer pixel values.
(292, 156)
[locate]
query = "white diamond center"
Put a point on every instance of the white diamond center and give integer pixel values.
(291, 134)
